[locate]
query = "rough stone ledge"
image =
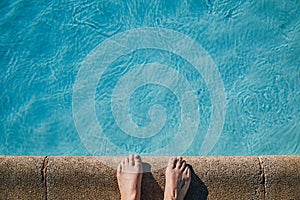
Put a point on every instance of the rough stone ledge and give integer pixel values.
(265, 177)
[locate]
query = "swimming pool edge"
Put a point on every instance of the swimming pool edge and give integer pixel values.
(68, 177)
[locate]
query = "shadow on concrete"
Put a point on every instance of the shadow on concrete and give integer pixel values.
(197, 189)
(150, 187)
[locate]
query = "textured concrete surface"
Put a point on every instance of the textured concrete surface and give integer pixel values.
(213, 178)
(228, 177)
(80, 178)
(270, 177)
(282, 177)
(22, 178)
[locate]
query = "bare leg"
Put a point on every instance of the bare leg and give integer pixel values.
(129, 176)
(178, 179)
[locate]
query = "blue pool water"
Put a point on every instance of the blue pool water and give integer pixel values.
(198, 77)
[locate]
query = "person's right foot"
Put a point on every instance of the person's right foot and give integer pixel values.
(178, 179)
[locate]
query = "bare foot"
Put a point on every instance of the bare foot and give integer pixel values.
(129, 176)
(178, 179)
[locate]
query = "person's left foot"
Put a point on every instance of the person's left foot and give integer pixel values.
(129, 176)
(178, 179)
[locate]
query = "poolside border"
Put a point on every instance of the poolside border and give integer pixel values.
(263, 177)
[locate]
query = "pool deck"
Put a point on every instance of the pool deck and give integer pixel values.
(264, 177)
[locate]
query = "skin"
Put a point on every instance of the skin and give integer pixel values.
(129, 175)
(178, 179)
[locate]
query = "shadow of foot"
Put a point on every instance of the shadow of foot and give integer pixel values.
(150, 187)
(197, 189)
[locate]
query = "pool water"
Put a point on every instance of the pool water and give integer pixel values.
(198, 77)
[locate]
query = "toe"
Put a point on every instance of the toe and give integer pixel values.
(172, 162)
(131, 159)
(138, 164)
(127, 161)
(137, 159)
(187, 172)
(119, 169)
(183, 165)
(179, 162)
(124, 164)
(189, 177)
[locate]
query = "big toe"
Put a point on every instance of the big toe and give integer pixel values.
(137, 159)
(138, 163)
(172, 162)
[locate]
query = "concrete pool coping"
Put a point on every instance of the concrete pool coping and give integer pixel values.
(263, 177)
